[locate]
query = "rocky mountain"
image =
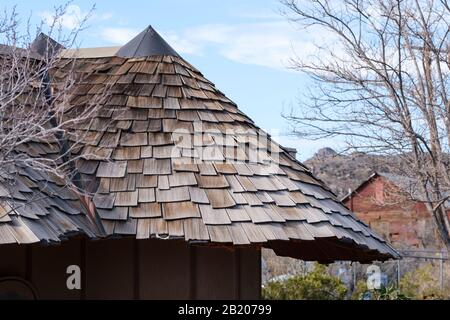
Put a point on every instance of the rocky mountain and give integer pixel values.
(344, 172)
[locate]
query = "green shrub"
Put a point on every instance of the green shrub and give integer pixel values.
(422, 283)
(360, 290)
(316, 285)
(388, 293)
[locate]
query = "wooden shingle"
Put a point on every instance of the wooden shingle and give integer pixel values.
(246, 184)
(145, 102)
(115, 169)
(207, 169)
(94, 153)
(180, 210)
(154, 125)
(238, 198)
(195, 229)
(219, 234)
(146, 152)
(163, 182)
(209, 182)
(109, 140)
(258, 214)
(263, 183)
(135, 166)
(214, 216)
(173, 195)
(116, 213)
(234, 183)
(238, 235)
(146, 210)
(238, 213)
(176, 228)
(140, 126)
(253, 232)
(128, 227)
(157, 166)
(143, 181)
(119, 184)
(143, 229)
(126, 153)
(252, 199)
(282, 199)
(159, 139)
(198, 195)
(146, 195)
(128, 198)
(225, 168)
(133, 139)
(158, 227)
(220, 198)
(171, 103)
(166, 152)
(177, 179)
(103, 201)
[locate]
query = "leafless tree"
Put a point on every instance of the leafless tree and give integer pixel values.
(382, 83)
(36, 93)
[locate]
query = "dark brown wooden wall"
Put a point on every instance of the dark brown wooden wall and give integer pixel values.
(136, 269)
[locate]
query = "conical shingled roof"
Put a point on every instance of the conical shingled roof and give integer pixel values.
(176, 159)
(170, 156)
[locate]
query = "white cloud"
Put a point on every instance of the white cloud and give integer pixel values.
(118, 36)
(71, 19)
(182, 44)
(103, 16)
(269, 44)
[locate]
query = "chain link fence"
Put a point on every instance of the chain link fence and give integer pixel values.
(418, 270)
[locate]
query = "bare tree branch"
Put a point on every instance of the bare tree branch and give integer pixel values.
(39, 104)
(386, 91)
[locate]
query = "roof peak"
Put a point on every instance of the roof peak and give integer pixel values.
(45, 46)
(145, 44)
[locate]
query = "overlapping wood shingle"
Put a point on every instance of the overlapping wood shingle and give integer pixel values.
(184, 162)
(39, 206)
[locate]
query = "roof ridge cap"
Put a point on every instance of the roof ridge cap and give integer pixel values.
(147, 43)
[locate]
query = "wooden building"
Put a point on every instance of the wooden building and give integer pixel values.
(181, 191)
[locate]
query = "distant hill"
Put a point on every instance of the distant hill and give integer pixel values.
(344, 172)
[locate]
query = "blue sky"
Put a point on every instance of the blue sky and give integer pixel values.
(242, 46)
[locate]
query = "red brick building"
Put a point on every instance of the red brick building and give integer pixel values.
(382, 202)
